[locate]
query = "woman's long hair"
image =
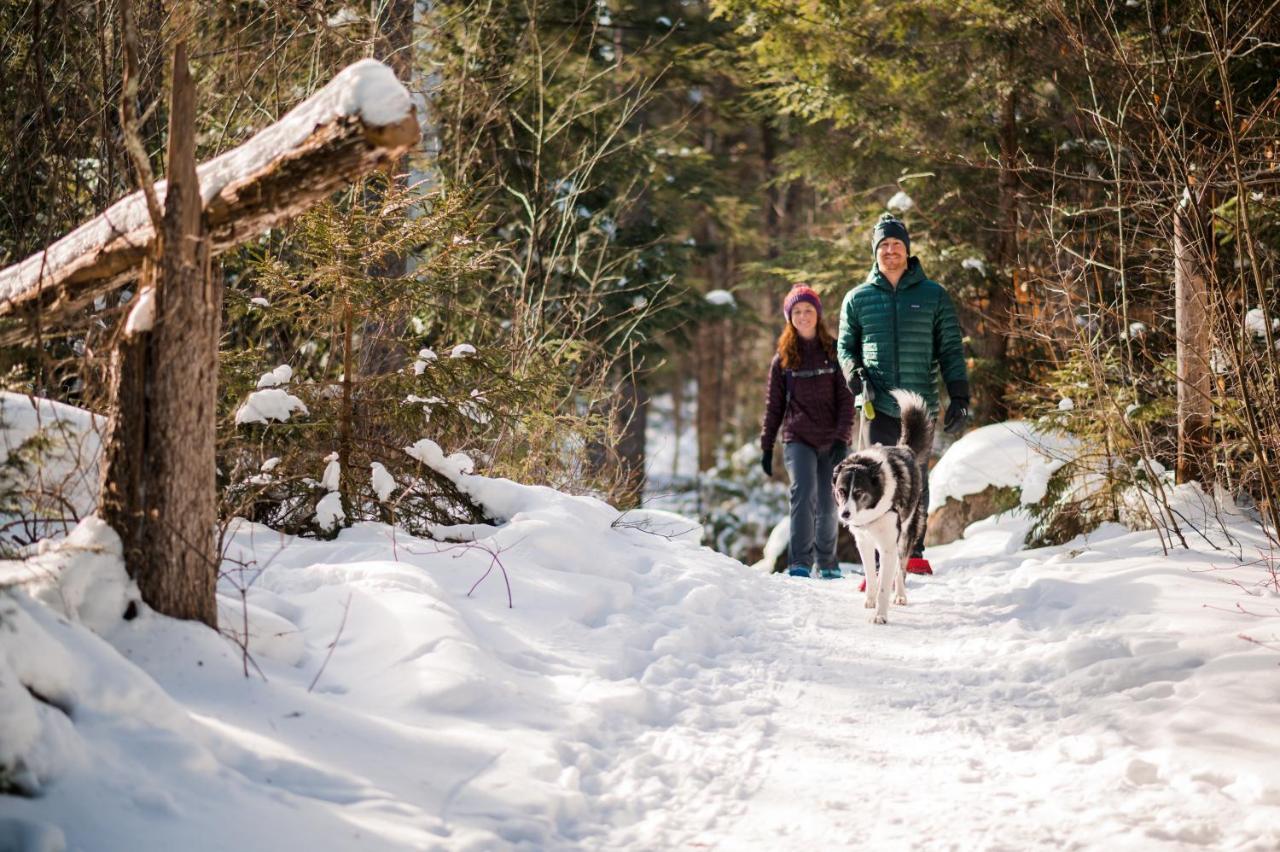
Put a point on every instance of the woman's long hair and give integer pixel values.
(789, 344)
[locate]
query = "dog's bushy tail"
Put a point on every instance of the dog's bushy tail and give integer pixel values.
(917, 425)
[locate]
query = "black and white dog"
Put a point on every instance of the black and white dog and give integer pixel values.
(878, 496)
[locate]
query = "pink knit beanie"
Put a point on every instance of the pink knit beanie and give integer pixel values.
(801, 293)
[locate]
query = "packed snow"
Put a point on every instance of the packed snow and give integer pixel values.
(576, 677)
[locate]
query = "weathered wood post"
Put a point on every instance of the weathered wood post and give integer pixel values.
(159, 490)
(158, 473)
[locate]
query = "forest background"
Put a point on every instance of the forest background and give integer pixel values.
(1089, 180)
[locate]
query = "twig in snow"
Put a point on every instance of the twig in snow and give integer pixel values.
(494, 559)
(645, 526)
(346, 608)
(1253, 641)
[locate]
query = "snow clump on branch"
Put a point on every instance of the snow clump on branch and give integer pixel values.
(329, 512)
(429, 453)
(279, 376)
(1255, 322)
(425, 357)
(900, 202)
(382, 481)
(269, 404)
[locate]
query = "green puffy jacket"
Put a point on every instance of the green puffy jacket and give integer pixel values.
(899, 333)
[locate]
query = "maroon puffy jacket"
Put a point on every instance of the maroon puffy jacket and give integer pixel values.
(820, 409)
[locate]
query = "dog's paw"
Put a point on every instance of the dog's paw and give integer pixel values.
(877, 618)
(900, 600)
(870, 602)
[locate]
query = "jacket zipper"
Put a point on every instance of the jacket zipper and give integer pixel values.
(897, 355)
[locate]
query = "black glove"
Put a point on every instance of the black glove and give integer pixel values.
(855, 383)
(766, 463)
(838, 451)
(957, 415)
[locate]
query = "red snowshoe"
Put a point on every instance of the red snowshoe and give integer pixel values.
(919, 565)
(915, 565)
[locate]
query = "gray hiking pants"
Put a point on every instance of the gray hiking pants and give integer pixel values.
(813, 505)
(885, 430)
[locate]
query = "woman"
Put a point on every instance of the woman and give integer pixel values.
(810, 402)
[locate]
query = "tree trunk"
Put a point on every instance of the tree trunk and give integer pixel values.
(677, 411)
(632, 411)
(380, 335)
(1195, 403)
(159, 489)
(992, 339)
(709, 369)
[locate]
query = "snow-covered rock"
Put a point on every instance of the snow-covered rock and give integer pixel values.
(1007, 455)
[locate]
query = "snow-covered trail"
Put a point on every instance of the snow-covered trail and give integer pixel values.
(646, 693)
(981, 719)
(925, 735)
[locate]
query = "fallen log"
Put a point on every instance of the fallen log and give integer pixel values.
(362, 120)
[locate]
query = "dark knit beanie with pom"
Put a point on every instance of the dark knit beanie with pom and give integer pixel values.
(890, 226)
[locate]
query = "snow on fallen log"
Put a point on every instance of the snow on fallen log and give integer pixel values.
(361, 120)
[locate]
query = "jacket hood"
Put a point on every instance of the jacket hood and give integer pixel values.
(914, 275)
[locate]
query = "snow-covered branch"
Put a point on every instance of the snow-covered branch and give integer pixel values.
(361, 120)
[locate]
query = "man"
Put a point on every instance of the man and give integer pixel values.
(897, 330)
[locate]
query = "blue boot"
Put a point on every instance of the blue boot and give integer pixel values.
(798, 570)
(829, 573)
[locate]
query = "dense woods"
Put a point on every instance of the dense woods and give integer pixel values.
(1095, 183)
